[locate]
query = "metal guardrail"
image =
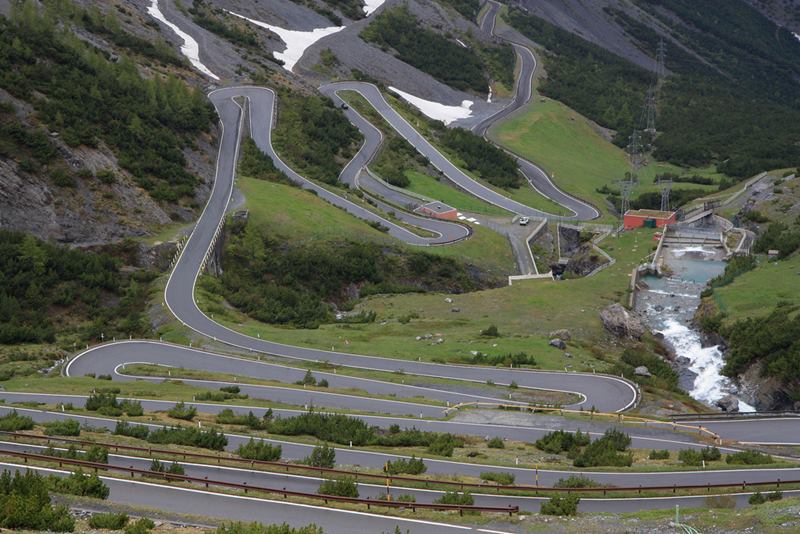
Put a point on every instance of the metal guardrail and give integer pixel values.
(734, 415)
(619, 416)
(744, 485)
(262, 489)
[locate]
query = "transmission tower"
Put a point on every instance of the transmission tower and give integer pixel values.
(648, 119)
(665, 186)
(626, 190)
(635, 153)
(661, 58)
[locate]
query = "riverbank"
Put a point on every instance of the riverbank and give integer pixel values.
(667, 304)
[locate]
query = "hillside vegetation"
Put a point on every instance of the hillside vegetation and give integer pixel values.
(313, 136)
(48, 290)
(736, 65)
(431, 52)
(87, 98)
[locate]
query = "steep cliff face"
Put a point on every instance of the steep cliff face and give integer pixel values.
(87, 210)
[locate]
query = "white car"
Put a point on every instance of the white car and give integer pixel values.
(523, 221)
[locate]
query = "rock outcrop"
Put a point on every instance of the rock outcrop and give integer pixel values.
(621, 322)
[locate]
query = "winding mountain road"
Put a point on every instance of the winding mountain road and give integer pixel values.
(606, 393)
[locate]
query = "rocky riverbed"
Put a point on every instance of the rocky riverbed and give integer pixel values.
(667, 305)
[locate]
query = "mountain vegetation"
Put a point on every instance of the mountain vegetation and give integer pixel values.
(397, 29)
(47, 289)
(79, 92)
(313, 136)
(295, 283)
(730, 63)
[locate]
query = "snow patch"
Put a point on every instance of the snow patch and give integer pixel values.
(296, 41)
(189, 48)
(459, 41)
(796, 35)
(709, 385)
(371, 5)
(436, 110)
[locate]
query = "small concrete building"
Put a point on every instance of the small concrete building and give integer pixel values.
(438, 210)
(648, 218)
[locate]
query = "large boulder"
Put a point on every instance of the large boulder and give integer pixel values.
(622, 323)
(561, 333)
(558, 343)
(642, 371)
(729, 403)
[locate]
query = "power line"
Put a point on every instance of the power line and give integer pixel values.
(665, 186)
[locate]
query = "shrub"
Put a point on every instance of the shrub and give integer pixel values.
(444, 445)
(108, 521)
(454, 497)
(503, 479)
(561, 505)
(67, 427)
(173, 468)
(258, 528)
(321, 456)
(12, 422)
(340, 487)
(748, 458)
(496, 443)
(490, 331)
(97, 454)
(79, 483)
(191, 436)
(26, 504)
(259, 450)
(181, 411)
(659, 455)
(322, 383)
(132, 408)
(142, 526)
(124, 428)
(576, 481)
(562, 441)
(696, 457)
(605, 451)
(98, 400)
(411, 466)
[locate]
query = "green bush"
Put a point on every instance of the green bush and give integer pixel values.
(561, 441)
(182, 411)
(110, 521)
(748, 458)
(503, 479)
(25, 504)
(662, 454)
(454, 497)
(697, 457)
(561, 505)
(576, 481)
(123, 428)
(173, 468)
(410, 466)
(340, 487)
(66, 427)
(606, 451)
(496, 443)
(321, 456)
(79, 483)
(143, 525)
(13, 422)
(132, 408)
(444, 445)
(191, 436)
(259, 450)
(490, 331)
(258, 528)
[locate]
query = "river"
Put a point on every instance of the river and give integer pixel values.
(668, 306)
